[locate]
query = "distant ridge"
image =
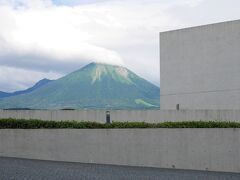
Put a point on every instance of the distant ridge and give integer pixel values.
(95, 86)
(37, 85)
(4, 94)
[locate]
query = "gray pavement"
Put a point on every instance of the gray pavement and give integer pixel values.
(22, 169)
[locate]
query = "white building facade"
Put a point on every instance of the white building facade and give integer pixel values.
(200, 67)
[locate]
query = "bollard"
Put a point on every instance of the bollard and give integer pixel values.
(108, 120)
(177, 106)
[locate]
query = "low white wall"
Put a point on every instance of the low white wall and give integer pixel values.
(198, 149)
(56, 115)
(124, 115)
(174, 115)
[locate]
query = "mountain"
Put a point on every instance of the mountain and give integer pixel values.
(95, 86)
(4, 94)
(36, 86)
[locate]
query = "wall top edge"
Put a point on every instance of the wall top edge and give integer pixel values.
(199, 26)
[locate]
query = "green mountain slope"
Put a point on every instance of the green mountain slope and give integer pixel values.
(94, 86)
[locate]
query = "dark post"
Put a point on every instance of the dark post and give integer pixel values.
(177, 106)
(108, 120)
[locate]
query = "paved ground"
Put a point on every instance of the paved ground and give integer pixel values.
(12, 168)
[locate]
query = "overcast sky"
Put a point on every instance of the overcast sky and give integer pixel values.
(50, 38)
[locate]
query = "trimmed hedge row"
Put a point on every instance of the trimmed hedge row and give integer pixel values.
(37, 124)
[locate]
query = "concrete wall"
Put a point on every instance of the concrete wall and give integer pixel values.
(151, 116)
(56, 115)
(198, 149)
(200, 67)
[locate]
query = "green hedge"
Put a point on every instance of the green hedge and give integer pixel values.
(37, 124)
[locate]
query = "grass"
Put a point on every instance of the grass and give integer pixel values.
(39, 124)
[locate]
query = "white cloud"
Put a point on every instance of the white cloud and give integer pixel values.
(53, 33)
(26, 3)
(38, 37)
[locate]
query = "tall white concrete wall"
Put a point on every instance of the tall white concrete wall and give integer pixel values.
(151, 116)
(198, 149)
(200, 67)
